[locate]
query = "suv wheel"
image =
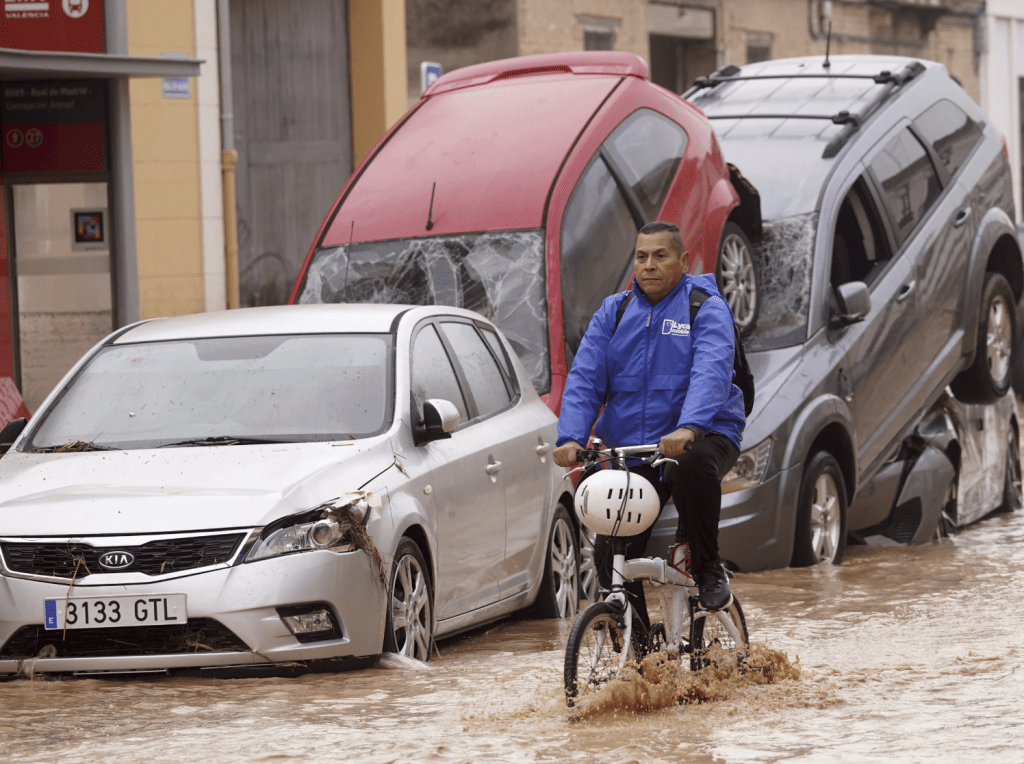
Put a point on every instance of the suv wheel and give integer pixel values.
(988, 378)
(737, 276)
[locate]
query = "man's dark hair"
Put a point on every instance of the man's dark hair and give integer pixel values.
(657, 226)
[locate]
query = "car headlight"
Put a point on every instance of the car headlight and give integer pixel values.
(329, 526)
(749, 468)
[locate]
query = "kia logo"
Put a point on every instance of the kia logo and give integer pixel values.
(116, 560)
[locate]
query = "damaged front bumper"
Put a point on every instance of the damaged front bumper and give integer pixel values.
(236, 618)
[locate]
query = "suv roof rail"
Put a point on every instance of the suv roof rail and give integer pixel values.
(852, 122)
(617, 63)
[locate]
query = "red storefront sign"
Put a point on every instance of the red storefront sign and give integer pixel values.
(53, 126)
(63, 25)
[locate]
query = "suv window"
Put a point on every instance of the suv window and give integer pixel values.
(648, 147)
(432, 373)
(598, 235)
(859, 250)
(951, 133)
(908, 180)
(486, 382)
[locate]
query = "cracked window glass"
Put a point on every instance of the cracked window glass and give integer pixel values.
(499, 274)
(784, 256)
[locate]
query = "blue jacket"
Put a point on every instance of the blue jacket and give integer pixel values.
(662, 373)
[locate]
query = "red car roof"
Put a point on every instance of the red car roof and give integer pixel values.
(493, 149)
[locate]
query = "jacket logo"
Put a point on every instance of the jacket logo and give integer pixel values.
(671, 327)
(116, 560)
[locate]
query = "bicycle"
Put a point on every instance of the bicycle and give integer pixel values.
(606, 636)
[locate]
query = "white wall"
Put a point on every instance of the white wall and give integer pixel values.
(1002, 64)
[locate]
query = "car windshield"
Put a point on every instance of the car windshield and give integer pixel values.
(783, 256)
(225, 390)
(499, 274)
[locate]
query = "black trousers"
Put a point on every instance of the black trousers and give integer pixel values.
(695, 486)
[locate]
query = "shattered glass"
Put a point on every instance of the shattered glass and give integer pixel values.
(499, 274)
(783, 257)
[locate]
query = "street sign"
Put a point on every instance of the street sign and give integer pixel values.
(429, 71)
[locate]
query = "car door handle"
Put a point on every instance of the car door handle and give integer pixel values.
(493, 468)
(905, 291)
(961, 217)
(543, 448)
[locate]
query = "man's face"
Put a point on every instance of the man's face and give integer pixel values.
(657, 265)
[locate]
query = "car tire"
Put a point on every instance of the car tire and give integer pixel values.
(409, 625)
(559, 595)
(737, 277)
(590, 587)
(988, 378)
(1013, 496)
(820, 536)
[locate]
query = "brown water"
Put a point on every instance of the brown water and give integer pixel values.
(903, 655)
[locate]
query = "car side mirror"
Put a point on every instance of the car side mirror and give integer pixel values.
(440, 420)
(854, 303)
(10, 433)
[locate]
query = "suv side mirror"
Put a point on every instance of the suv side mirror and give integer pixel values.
(440, 419)
(854, 302)
(10, 433)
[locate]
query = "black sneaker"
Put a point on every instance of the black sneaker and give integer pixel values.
(713, 584)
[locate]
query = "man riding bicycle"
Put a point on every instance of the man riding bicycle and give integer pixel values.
(661, 380)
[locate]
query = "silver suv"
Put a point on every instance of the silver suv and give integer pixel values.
(887, 269)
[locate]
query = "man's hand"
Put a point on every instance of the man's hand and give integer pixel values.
(676, 442)
(565, 455)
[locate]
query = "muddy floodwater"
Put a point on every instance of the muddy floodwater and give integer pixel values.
(902, 655)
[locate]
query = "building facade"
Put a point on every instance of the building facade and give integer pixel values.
(164, 157)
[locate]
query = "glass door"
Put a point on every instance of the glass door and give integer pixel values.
(64, 298)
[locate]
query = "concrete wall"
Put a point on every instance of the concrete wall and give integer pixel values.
(165, 141)
(549, 27)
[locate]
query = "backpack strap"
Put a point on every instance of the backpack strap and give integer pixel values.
(697, 298)
(621, 311)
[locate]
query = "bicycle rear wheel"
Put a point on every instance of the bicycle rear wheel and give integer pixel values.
(710, 635)
(595, 646)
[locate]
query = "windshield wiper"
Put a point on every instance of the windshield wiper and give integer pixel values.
(223, 440)
(73, 446)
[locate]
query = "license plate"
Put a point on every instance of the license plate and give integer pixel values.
(109, 612)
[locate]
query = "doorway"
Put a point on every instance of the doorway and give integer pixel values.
(63, 298)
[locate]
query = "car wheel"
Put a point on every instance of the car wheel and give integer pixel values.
(409, 629)
(821, 513)
(737, 276)
(560, 586)
(589, 586)
(988, 378)
(1013, 499)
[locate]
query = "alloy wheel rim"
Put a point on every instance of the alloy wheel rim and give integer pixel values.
(410, 610)
(999, 339)
(825, 519)
(563, 568)
(588, 568)
(738, 284)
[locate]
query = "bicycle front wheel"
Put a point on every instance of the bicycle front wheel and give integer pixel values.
(710, 636)
(596, 644)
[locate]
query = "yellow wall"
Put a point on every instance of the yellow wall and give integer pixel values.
(377, 58)
(165, 143)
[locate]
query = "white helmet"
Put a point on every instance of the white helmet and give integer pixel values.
(617, 503)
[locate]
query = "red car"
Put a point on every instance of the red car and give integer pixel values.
(516, 188)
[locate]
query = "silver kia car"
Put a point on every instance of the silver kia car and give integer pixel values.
(286, 489)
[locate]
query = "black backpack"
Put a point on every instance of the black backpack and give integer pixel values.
(741, 375)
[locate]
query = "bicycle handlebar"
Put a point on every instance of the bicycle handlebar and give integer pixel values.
(592, 454)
